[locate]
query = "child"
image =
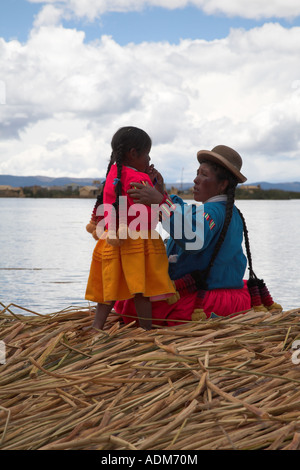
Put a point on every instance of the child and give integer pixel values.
(124, 266)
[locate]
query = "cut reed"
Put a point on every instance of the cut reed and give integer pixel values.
(219, 384)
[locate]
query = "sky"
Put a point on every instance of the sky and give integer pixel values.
(192, 73)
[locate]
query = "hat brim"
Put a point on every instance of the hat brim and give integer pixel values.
(216, 158)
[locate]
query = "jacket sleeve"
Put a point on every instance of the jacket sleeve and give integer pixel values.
(191, 226)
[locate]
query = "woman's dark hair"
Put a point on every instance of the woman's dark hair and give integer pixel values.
(122, 142)
(224, 174)
(260, 295)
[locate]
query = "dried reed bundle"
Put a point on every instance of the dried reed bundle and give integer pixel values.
(220, 384)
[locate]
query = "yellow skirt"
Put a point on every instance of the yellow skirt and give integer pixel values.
(137, 266)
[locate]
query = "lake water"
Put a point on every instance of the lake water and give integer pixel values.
(45, 251)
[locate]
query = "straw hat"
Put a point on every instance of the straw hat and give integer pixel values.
(224, 156)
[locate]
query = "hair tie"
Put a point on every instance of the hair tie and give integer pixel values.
(116, 181)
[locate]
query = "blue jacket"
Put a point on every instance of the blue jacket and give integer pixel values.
(206, 222)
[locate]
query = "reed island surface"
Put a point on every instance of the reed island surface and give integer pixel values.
(230, 383)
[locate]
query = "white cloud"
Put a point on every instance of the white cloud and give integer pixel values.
(48, 16)
(66, 98)
(243, 8)
(251, 9)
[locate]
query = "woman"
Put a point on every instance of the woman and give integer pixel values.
(208, 273)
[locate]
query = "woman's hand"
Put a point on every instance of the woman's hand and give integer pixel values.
(145, 194)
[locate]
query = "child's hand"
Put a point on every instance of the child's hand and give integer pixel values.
(156, 179)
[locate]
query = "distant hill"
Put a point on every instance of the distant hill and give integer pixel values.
(295, 186)
(180, 186)
(46, 181)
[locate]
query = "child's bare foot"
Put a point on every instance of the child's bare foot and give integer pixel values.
(101, 314)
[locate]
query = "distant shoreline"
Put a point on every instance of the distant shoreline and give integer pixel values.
(49, 193)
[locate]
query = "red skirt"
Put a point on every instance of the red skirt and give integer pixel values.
(218, 302)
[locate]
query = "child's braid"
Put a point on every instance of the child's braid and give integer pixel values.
(91, 226)
(118, 158)
(123, 140)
